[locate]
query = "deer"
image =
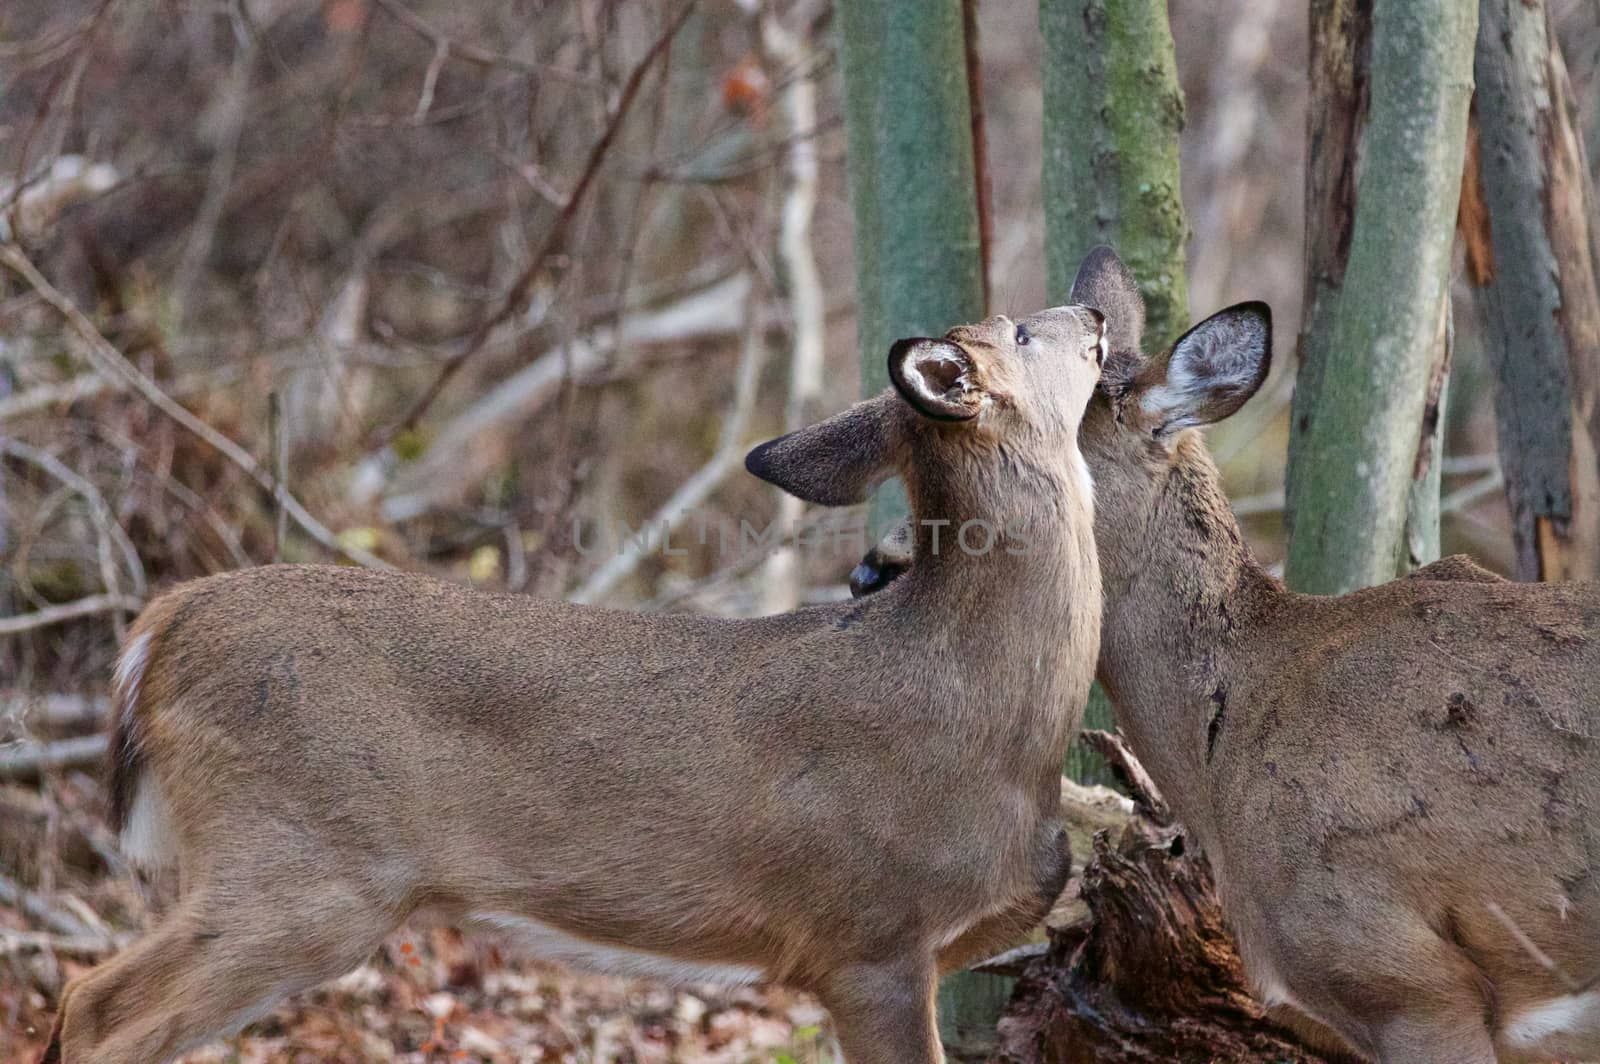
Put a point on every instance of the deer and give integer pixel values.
(848, 799)
(1397, 788)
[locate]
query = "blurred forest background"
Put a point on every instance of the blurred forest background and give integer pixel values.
(458, 288)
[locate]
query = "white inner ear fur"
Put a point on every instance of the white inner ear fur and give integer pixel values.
(1220, 356)
(927, 386)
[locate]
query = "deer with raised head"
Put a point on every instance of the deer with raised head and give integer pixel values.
(846, 799)
(1398, 788)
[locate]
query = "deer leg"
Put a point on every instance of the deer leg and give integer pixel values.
(211, 967)
(884, 1014)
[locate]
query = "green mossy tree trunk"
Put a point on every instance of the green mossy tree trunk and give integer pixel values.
(1112, 113)
(1390, 87)
(919, 262)
(913, 186)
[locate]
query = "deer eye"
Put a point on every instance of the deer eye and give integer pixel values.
(1023, 336)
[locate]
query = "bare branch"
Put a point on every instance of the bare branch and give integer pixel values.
(30, 760)
(111, 362)
(69, 611)
(85, 386)
(87, 946)
(37, 908)
(781, 579)
(448, 465)
(478, 56)
(706, 479)
(231, 106)
(1114, 748)
(108, 531)
(53, 709)
(522, 288)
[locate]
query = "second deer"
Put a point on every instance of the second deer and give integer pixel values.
(1398, 789)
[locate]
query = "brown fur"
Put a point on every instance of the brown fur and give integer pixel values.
(846, 797)
(1368, 773)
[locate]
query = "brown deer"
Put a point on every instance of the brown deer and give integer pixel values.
(1398, 788)
(846, 799)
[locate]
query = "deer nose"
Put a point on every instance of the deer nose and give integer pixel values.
(1099, 320)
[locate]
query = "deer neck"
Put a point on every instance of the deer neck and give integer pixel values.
(1015, 596)
(1180, 588)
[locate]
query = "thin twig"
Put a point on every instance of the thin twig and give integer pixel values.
(980, 144)
(1463, 497)
(232, 104)
(69, 611)
(112, 362)
(476, 55)
(87, 946)
(517, 297)
(37, 908)
(694, 491)
(430, 80)
(53, 709)
(109, 532)
(278, 442)
(29, 760)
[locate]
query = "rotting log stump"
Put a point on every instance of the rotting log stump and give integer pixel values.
(1153, 973)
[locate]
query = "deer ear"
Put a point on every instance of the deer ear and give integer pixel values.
(1214, 368)
(937, 378)
(836, 462)
(1105, 284)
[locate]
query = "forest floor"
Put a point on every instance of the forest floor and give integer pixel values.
(428, 998)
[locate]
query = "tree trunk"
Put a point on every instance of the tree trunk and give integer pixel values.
(1390, 84)
(1112, 113)
(919, 263)
(1534, 268)
(908, 120)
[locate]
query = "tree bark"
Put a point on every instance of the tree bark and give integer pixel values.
(1535, 274)
(1153, 974)
(1113, 110)
(1112, 113)
(913, 192)
(919, 263)
(1391, 80)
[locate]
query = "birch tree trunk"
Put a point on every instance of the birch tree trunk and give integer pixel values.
(919, 261)
(1390, 88)
(1533, 259)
